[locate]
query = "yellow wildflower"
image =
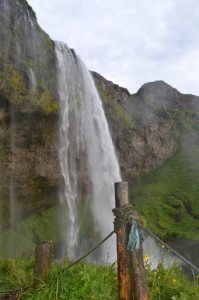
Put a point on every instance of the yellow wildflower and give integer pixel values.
(146, 258)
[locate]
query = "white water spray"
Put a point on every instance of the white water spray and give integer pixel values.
(32, 78)
(85, 151)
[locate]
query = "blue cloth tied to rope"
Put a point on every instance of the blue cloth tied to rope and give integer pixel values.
(134, 238)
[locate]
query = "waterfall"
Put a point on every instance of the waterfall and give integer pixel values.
(32, 78)
(12, 181)
(88, 162)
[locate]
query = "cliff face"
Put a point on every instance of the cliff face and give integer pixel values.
(28, 112)
(147, 128)
(25, 45)
(156, 135)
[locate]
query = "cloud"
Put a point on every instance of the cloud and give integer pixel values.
(131, 41)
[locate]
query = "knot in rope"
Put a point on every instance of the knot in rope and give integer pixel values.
(124, 214)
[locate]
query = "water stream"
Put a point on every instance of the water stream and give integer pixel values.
(87, 158)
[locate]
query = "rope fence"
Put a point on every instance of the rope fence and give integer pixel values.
(89, 252)
(182, 258)
(130, 233)
(21, 289)
(125, 215)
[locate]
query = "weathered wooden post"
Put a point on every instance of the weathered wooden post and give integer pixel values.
(43, 260)
(131, 277)
(123, 256)
(138, 276)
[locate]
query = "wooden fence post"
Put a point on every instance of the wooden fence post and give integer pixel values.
(123, 256)
(138, 276)
(131, 277)
(43, 260)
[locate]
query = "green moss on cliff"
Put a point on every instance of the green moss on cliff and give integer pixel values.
(44, 101)
(48, 42)
(183, 120)
(168, 196)
(13, 88)
(115, 110)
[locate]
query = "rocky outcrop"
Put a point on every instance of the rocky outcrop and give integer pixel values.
(147, 127)
(26, 46)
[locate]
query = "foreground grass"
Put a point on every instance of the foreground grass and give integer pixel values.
(90, 281)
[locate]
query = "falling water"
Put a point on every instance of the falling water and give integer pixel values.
(11, 182)
(87, 158)
(32, 78)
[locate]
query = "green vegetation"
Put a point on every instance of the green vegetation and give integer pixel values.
(183, 120)
(168, 197)
(15, 273)
(26, 234)
(87, 229)
(48, 42)
(90, 281)
(13, 88)
(171, 283)
(44, 101)
(116, 111)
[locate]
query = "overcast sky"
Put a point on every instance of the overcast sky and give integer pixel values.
(129, 42)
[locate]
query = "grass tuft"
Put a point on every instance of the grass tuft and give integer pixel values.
(89, 281)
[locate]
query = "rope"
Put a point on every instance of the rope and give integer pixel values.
(125, 214)
(74, 263)
(89, 252)
(5, 293)
(189, 263)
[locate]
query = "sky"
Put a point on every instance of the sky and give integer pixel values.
(129, 42)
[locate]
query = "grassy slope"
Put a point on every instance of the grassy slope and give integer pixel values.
(168, 197)
(89, 281)
(27, 233)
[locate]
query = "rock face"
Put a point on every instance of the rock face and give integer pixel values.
(29, 165)
(147, 128)
(25, 45)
